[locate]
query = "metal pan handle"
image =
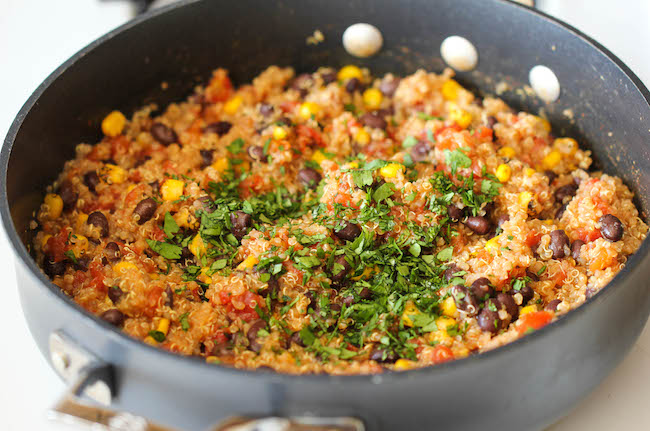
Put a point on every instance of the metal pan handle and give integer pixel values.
(91, 388)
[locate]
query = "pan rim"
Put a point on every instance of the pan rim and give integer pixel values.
(115, 335)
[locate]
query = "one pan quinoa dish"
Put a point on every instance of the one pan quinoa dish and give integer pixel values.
(333, 222)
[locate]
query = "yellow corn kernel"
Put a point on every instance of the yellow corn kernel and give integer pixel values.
(409, 310)
(247, 263)
(172, 189)
(528, 309)
(507, 152)
(448, 307)
(492, 244)
(349, 72)
(529, 172)
(503, 173)
(444, 322)
(307, 109)
(525, 198)
(212, 360)
(362, 137)
(203, 275)
(460, 116)
(184, 218)
(54, 205)
(124, 266)
(163, 326)
(367, 272)
(81, 219)
(44, 240)
(450, 90)
(404, 364)
(220, 165)
(390, 170)
(318, 157)
(131, 187)
(372, 98)
(154, 276)
(353, 165)
(232, 105)
(567, 146)
(552, 159)
(150, 340)
(279, 133)
(79, 244)
(548, 222)
(545, 124)
(197, 246)
(113, 124)
(114, 174)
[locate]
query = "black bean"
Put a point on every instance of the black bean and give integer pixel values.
(328, 76)
(491, 121)
(187, 258)
(68, 195)
(509, 305)
(575, 248)
(155, 187)
(302, 83)
(272, 287)
(611, 227)
(266, 109)
(551, 176)
(257, 153)
(206, 204)
(309, 177)
(82, 263)
(240, 222)
(527, 293)
(530, 274)
(112, 251)
(388, 86)
(206, 157)
(340, 269)
(98, 219)
(420, 151)
(502, 219)
(454, 212)
(253, 337)
(52, 268)
(565, 193)
(145, 210)
(349, 232)
(285, 120)
(163, 134)
(169, 296)
(352, 85)
(464, 300)
(552, 306)
(481, 289)
(560, 211)
(372, 119)
(382, 355)
(365, 293)
(295, 338)
(218, 127)
(451, 270)
(488, 320)
(113, 316)
(91, 180)
(559, 244)
(478, 224)
(115, 294)
(109, 161)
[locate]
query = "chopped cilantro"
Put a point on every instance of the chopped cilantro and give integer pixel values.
(166, 250)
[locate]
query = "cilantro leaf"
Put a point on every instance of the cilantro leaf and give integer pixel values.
(169, 225)
(157, 335)
(166, 250)
(185, 325)
(445, 254)
(384, 191)
(409, 142)
(307, 336)
(71, 256)
(362, 178)
(236, 146)
(457, 159)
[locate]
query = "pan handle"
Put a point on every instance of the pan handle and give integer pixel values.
(92, 388)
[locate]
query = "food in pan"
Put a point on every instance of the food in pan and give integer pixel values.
(333, 222)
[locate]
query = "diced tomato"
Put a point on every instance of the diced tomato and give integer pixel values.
(243, 305)
(169, 166)
(158, 234)
(251, 185)
(153, 299)
(534, 321)
(308, 137)
(133, 194)
(483, 133)
(79, 278)
(119, 145)
(587, 235)
(220, 337)
(97, 277)
(533, 238)
(442, 354)
(220, 88)
(288, 106)
(445, 138)
(57, 245)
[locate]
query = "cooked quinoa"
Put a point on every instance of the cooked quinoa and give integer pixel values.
(333, 222)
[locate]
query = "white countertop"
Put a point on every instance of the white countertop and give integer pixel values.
(36, 36)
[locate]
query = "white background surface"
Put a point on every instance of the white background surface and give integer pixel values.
(37, 35)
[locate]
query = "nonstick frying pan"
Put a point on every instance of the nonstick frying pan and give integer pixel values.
(527, 384)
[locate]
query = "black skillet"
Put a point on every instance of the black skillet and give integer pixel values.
(525, 385)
